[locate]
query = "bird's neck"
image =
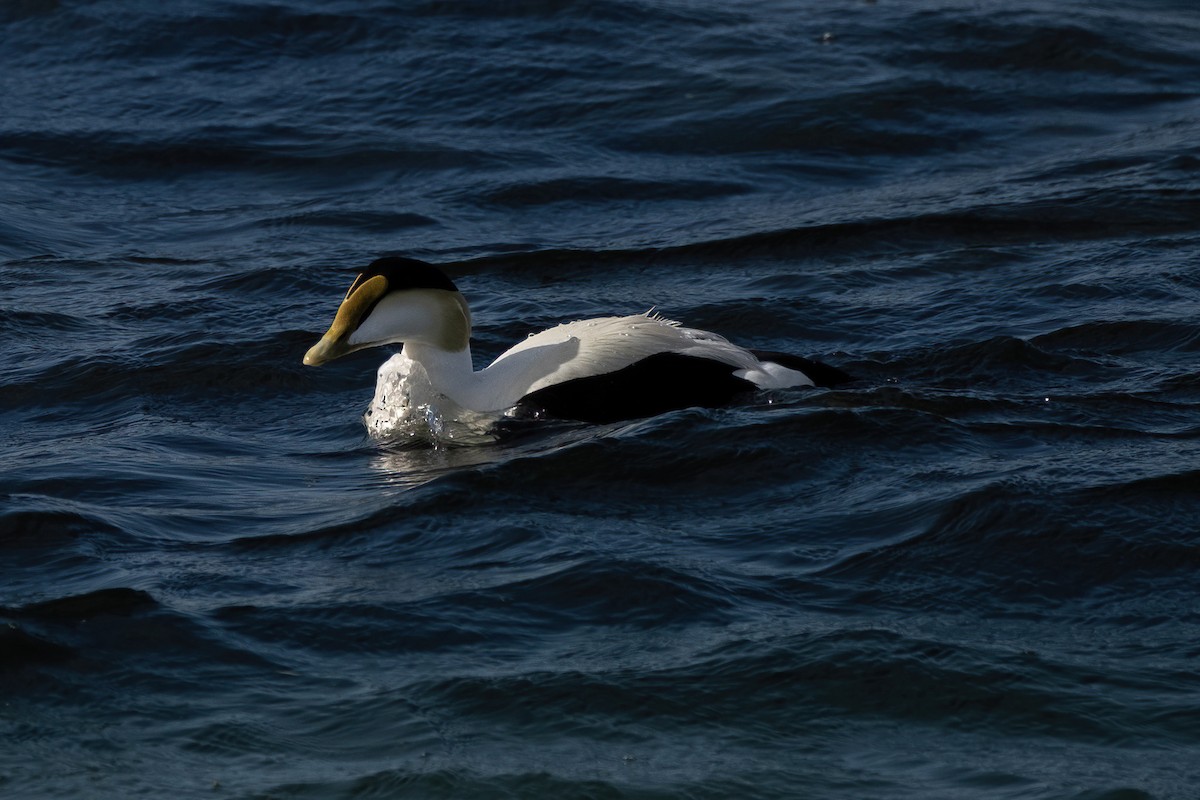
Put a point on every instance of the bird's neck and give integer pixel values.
(452, 374)
(499, 387)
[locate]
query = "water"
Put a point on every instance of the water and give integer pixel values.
(970, 575)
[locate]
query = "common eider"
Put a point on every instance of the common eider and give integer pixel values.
(596, 370)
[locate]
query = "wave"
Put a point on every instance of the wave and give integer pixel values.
(50, 527)
(602, 189)
(171, 365)
(42, 633)
(802, 683)
(119, 636)
(624, 594)
(1033, 42)
(992, 225)
(1125, 337)
(464, 783)
(118, 601)
(1015, 544)
(286, 151)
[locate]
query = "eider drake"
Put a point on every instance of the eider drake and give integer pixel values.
(596, 370)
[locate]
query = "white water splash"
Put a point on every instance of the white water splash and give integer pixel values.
(406, 408)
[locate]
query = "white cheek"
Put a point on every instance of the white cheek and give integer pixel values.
(396, 318)
(371, 331)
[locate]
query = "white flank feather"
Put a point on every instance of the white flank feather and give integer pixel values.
(607, 344)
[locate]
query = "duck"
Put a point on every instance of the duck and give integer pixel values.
(600, 370)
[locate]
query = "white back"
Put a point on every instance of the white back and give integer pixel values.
(607, 344)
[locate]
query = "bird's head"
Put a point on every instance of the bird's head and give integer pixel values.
(396, 300)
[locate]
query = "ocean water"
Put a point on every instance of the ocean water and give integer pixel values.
(971, 574)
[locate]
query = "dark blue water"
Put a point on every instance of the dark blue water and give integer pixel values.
(973, 574)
